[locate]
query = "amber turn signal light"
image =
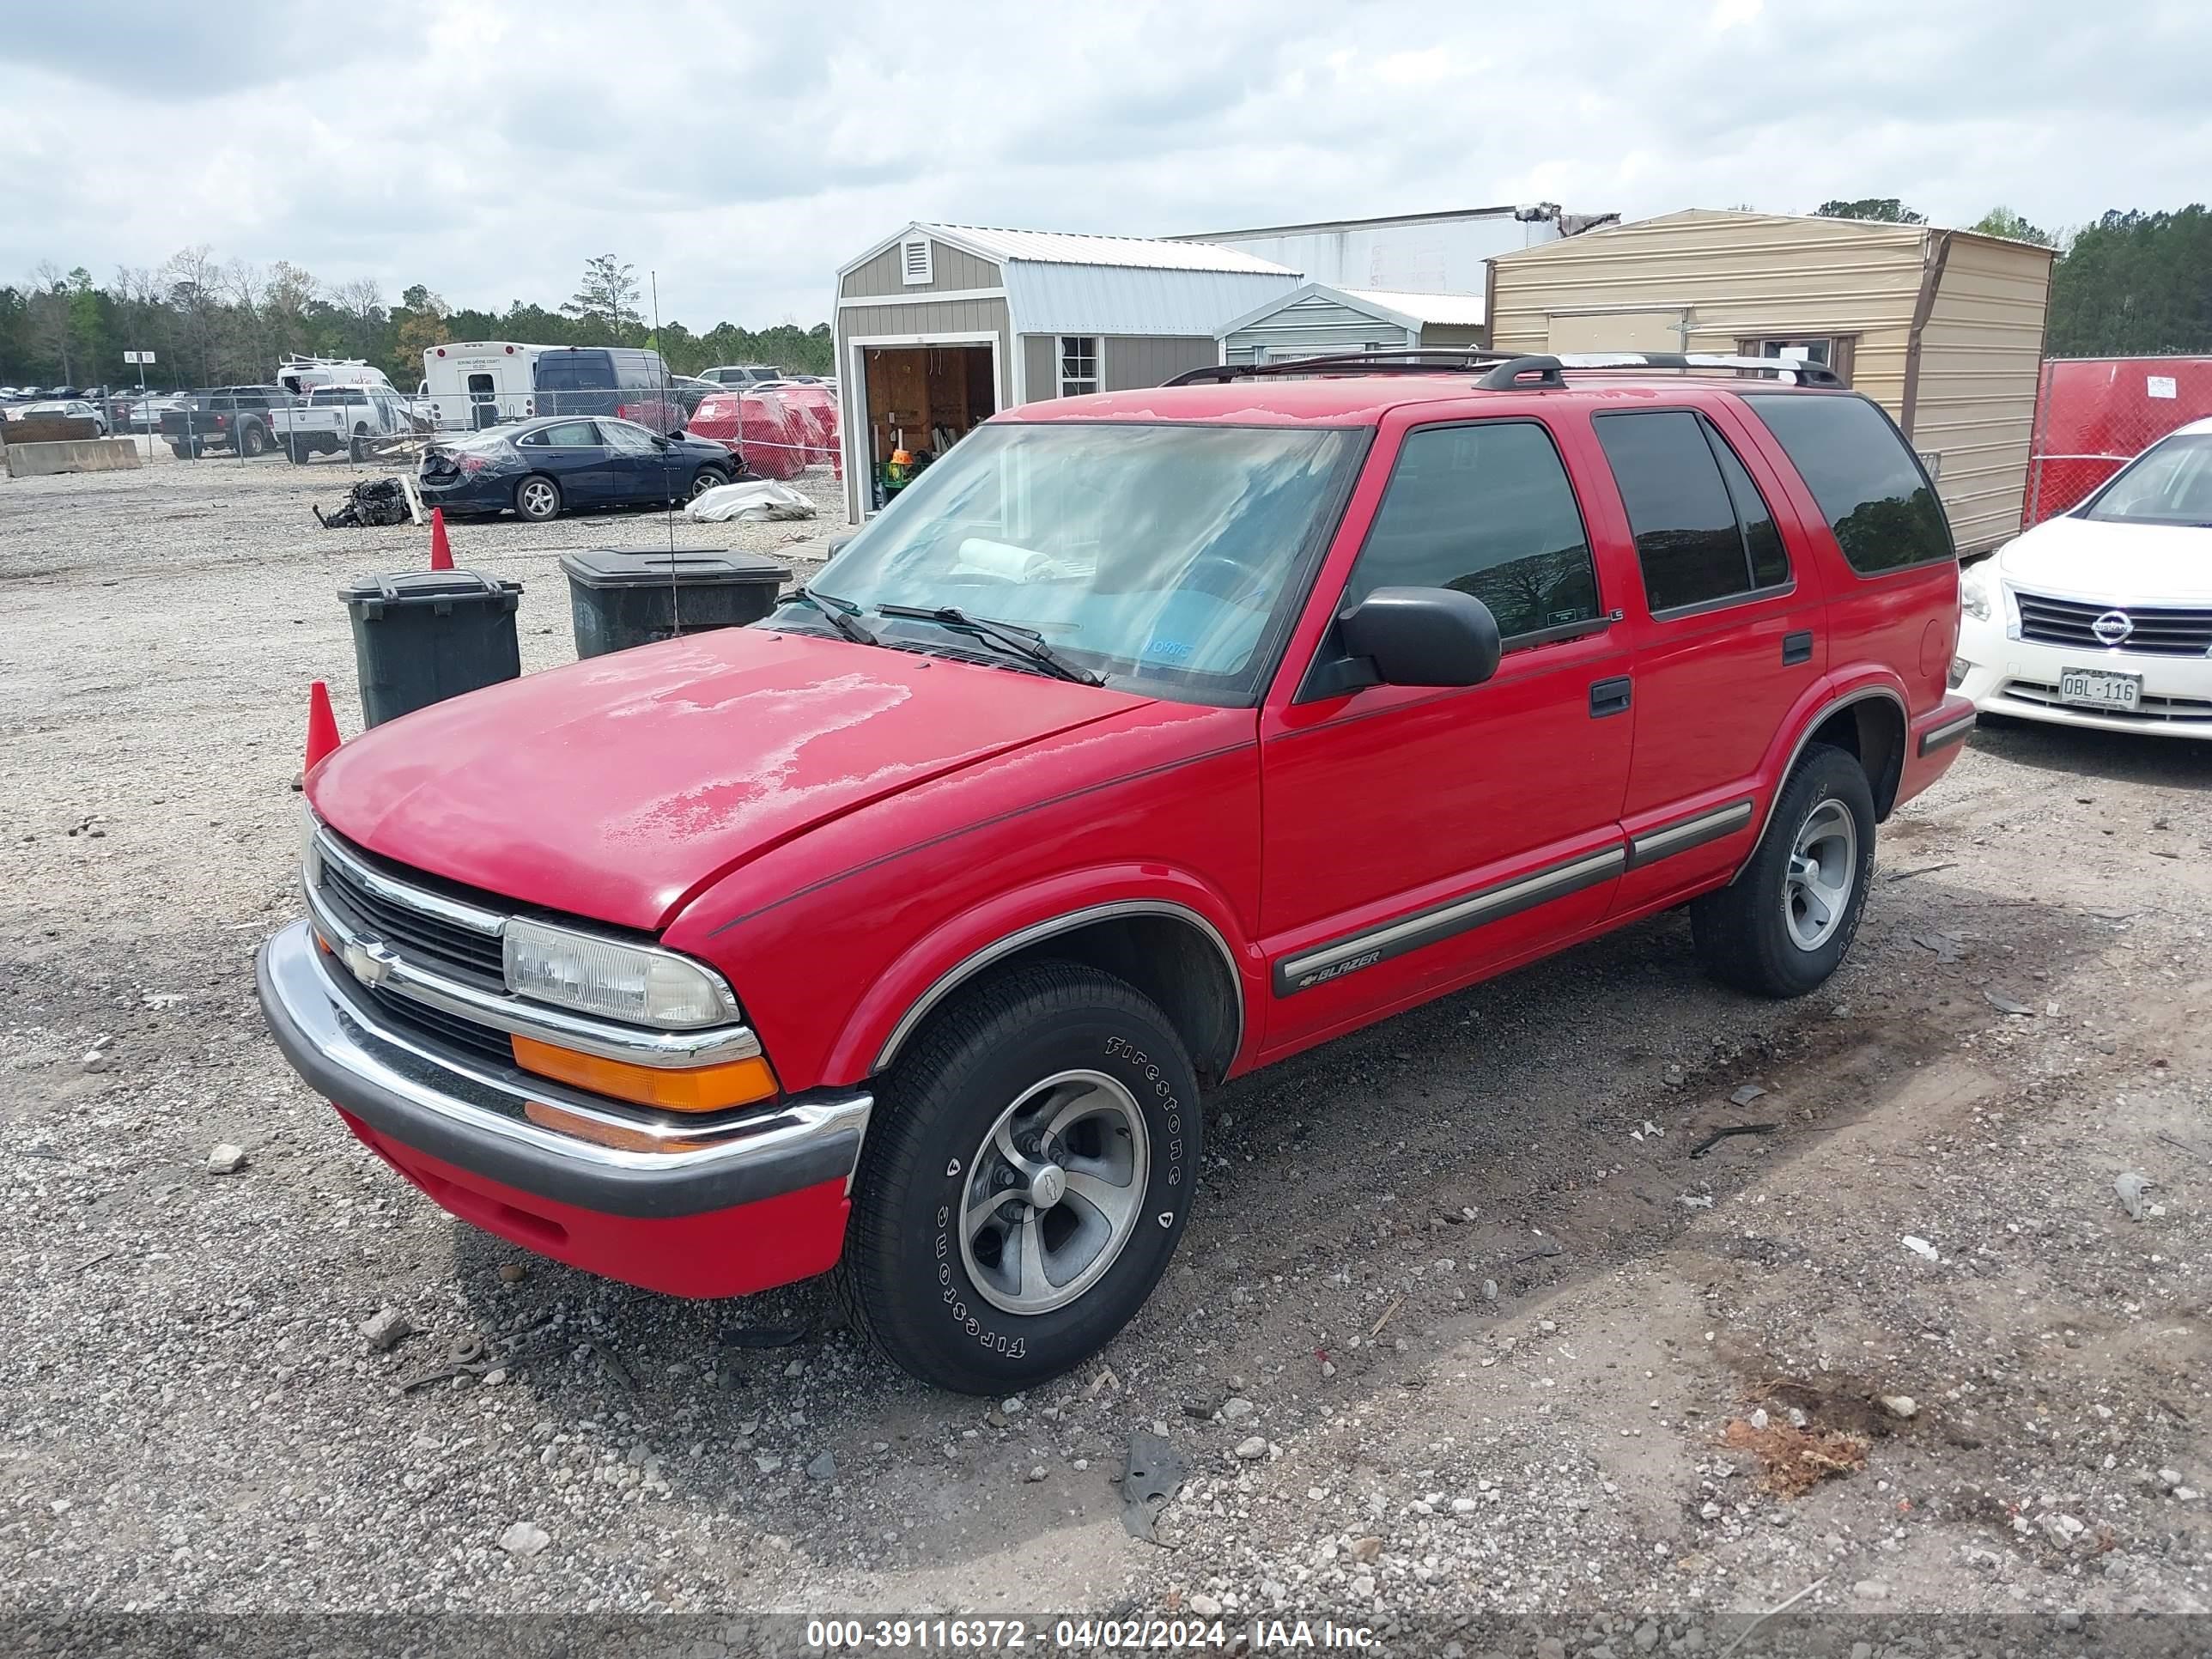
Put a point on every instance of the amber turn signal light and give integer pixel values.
(604, 1135)
(695, 1089)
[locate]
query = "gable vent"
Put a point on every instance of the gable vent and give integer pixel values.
(913, 261)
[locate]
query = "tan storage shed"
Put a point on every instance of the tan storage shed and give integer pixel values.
(1942, 328)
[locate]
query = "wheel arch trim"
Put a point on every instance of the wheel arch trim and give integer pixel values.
(1813, 723)
(1049, 927)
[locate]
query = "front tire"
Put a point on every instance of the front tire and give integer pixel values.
(710, 478)
(1032, 1166)
(538, 498)
(1782, 927)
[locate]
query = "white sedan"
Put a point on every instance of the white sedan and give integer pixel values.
(2102, 617)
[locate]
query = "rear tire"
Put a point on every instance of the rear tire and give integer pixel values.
(181, 450)
(357, 452)
(1785, 923)
(252, 440)
(538, 498)
(1083, 1078)
(297, 449)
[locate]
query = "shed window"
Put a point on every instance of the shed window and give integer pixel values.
(915, 267)
(1079, 364)
(1830, 350)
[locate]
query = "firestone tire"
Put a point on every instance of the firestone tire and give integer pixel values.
(1784, 925)
(968, 1305)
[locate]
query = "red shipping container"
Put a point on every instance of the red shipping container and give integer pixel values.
(2093, 414)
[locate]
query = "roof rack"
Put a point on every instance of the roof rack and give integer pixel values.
(1506, 371)
(1431, 361)
(1546, 370)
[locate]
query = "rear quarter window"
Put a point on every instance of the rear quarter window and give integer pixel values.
(1865, 478)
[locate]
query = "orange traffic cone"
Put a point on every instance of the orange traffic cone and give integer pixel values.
(322, 725)
(442, 551)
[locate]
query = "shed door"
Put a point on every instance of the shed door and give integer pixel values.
(1618, 330)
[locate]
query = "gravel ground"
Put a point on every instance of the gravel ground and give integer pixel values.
(1463, 1326)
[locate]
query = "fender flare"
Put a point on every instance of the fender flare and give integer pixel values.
(1868, 683)
(965, 945)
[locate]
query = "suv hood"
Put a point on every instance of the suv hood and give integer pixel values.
(619, 788)
(2122, 564)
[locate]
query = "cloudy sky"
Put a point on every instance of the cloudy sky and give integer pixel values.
(745, 152)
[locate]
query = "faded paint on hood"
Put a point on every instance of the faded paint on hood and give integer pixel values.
(2112, 563)
(617, 788)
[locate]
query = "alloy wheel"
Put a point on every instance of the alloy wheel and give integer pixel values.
(1816, 892)
(1053, 1191)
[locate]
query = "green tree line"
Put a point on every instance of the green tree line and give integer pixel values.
(2126, 284)
(213, 324)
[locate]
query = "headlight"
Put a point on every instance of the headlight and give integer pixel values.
(311, 856)
(1974, 592)
(601, 977)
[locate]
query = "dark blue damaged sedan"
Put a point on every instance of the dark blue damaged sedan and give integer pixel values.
(539, 469)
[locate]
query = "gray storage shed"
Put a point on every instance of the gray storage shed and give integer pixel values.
(939, 326)
(1315, 319)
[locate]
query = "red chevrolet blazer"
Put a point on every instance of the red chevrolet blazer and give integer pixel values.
(1146, 738)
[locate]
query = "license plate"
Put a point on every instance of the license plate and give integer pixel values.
(2093, 688)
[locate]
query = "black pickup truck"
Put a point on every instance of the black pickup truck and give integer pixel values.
(224, 418)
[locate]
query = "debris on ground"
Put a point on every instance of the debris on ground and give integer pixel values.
(1745, 1096)
(1792, 1459)
(386, 1330)
(1920, 1246)
(753, 500)
(226, 1159)
(1903, 1406)
(2005, 1004)
(823, 1467)
(1149, 1481)
(370, 504)
(1719, 1135)
(524, 1540)
(2131, 1188)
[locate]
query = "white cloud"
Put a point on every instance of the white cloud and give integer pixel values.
(488, 149)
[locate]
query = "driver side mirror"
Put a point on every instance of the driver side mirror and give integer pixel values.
(1411, 636)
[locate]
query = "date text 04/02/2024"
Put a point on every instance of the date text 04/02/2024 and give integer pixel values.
(1078, 1635)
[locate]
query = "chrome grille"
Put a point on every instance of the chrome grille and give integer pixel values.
(2151, 711)
(2158, 630)
(435, 1023)
(415, 932)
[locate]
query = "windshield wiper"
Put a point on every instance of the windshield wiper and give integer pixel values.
(1021, 642)
(842, 614)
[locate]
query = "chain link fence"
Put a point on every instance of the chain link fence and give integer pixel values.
(2093, 414)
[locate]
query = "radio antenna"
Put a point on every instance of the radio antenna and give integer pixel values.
(667, 475)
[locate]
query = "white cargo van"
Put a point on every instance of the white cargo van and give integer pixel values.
(480, 383)
(301, 376)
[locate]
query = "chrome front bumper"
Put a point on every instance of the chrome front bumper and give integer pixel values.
(469, 1112)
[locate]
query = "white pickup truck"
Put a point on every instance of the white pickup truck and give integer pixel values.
(331, 418)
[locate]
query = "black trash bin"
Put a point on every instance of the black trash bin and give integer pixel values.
(430, 635)
(624, 596)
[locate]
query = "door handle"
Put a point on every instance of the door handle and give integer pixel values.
(1797, 647)
(1609, 697)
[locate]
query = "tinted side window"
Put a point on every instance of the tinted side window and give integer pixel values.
(1869, 486)
(1486, 509)
(1686, 538)
(573, 371)
(1762, 540)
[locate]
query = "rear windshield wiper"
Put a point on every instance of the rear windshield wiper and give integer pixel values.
(1021, 642)
(842, 614)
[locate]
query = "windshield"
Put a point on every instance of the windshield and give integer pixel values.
(1165, 558)
(2170, 482)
